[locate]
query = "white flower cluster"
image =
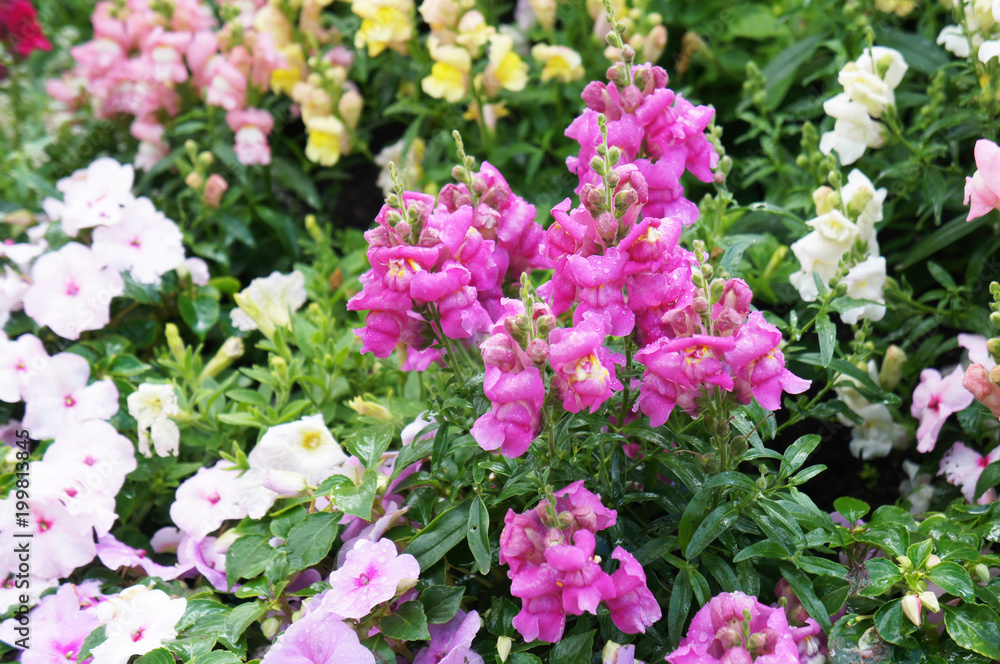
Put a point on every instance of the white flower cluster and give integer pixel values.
(844, 219)
(982, 18)
(869, 85)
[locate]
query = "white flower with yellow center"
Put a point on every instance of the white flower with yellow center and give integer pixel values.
(559, 62)
(267, 303)
(305, 447)
(384, 24)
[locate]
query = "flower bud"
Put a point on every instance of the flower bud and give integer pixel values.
(905, 563)
(932, 560)
(20, 219)
(995, 319)
(929, 599)
(911, 609)
(729, 636)
(892, 368)
(700, 304)
(285, 483)
(597, 165)
(826, 200)
(756, 641)
(215, 187)
(370, 409)
(538, 351)
(206, 159)
(503, 647)
(195, 180)
(981, 572)
(270, 627)
(175, 343)
(232, 348)
(405, 585)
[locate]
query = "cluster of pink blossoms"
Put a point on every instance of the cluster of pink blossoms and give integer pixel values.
(657, 130)
(553, 569)
(145, 53)
(438, 270)
(735, 628)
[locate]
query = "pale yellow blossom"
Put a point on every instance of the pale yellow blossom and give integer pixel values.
(325, 140)
(559, 62)
(505, 69)
(449, 79)
(474, 32)
(384, 24)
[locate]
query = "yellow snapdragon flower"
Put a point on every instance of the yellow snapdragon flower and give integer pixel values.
(384, 24)
(326, 135)
(474, 32)
(449, 79)
(559, 62)
(505, 70)
(283, 80)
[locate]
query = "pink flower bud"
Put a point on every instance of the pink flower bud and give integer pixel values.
(538, 351)
(911, 609)
(215, 187)
(985, 390)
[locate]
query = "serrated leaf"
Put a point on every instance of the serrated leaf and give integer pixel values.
(893, 626)
(882, 575)
(953, 578)
(247, 557)
(240, 618)
(407, 623)
(310, 541)
(441, 603)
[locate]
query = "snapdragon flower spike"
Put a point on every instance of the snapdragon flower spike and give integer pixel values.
(679, 371)
(515, 418)
(759, 366)
(660, 132)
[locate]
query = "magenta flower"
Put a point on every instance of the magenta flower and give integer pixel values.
(934, 400)
(584, 508)
(982, 190)
(451, 643)
(759, 367)
(541, 618)
(633, 607)
(678, 371)
(522, 541)
(372, 573)
(584, 584)
(716, 634)
(962, 467)
(513, 422)
(320, 637)
(599, 282)
(585, 369)
(730, 312)
(571, 232)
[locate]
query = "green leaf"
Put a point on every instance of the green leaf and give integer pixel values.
(415, 451)
(441, 603)
(803, 588)
(310, 541)
(944, 236)
(292, 176)
(954, 579)
(94, 639)
(735, 246)
(479, 535)
(523, 658)
(844, 303)
(247, 557)
(679, 606)
(882, 574)
(370, 443)
(127, 365)
(893, 626)
(851, 509)
(356, 499)
(821, 566)
(797, 453)
(780, 71)
(248, 396)
(890, 537)
(762, 549)
(440, 535)
(827, 333)
(407, 623)
(941, 276)
(989, 479)
(718, 521)
(217, 657)
(240, 618)
(576, 649)
(974, 627)
(157, 656)
(199, 313)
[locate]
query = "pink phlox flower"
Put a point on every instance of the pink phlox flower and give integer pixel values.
(251, 126)
(982, 190)
(451, 643)
(585, 368)
(633, 607)
(962, 467)
(514, 419)
(934, 400)
(145, 243)
(759, 367)
(584, 584)
(320, 637)
(716, 634)
(371, 574)
(20, 361)
(207, 499)
(60, 624)
(585, 508)
(731, 311)
(60, 397)
(89, 506)
(115, 555)
(60, 541)
(71, 291)
(679, 370)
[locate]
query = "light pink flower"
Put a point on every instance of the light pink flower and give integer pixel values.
(93, 196)
(137, 620)
(20, 361)
(207, 499)
(633, 608)
(60, 541)
(962, 467)
(372, 573)
(320, 637)
(251, 127)
(934, 400)
(982, 190)
(71, 291)
(59, 625)
(115, 555)
(227, 86)
(145, 243)
(451, 643)
(60, 397)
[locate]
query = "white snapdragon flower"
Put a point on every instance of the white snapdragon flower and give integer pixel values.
(267, 303)
(865, 201)
(152, 406)
(866, 88)
(853, 131)
(886, 63)
(866, 281)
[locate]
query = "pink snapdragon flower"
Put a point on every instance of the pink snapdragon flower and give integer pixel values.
(633, 607)
(678, 371)
(251, 127)
(71, 291)
(982, 190)
(372, 573)
(759, 366)
(585, 371)
(716, 634)
(451, 643)
(962, 467)
(934, 400)
(596, 284)
(513, 422)
(227, 86)
(320, 637)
